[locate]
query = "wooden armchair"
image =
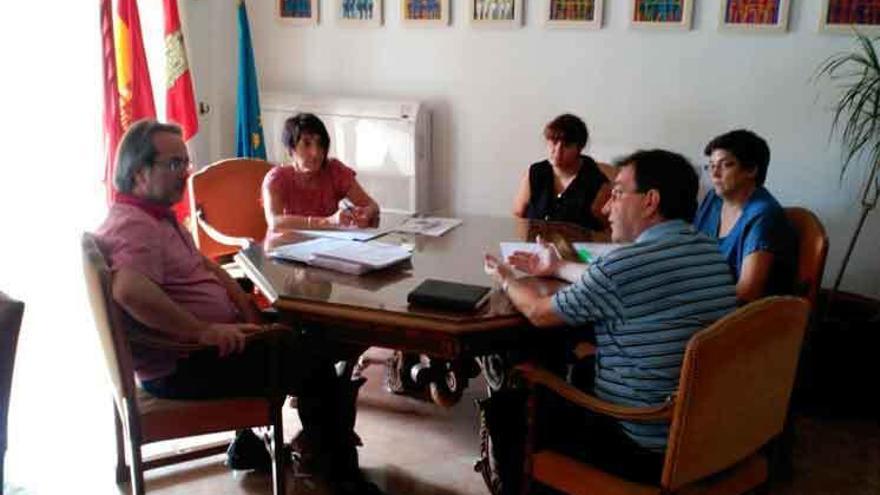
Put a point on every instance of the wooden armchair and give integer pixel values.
(225, 201)
(142, 418)
(812, 251)
(10, 322)
(732, 399)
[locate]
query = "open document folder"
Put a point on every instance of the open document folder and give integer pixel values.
(342, 255)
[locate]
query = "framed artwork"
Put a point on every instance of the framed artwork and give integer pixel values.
(842, 16)
(754, 15)
(298, 12)
(498, 13)
(424, 12)
(359, 12)
(665, 14)
(574, 13)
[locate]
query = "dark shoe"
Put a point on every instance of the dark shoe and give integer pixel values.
(308, 458)
(248, 452)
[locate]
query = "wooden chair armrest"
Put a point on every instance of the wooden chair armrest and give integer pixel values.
(155, 340)
(538, 376)
(584, 349)
(220, 237)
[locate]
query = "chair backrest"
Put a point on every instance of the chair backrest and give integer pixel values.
(812, 250)
(108, 323)
(11, 312)
(226, 194)
(733, 396)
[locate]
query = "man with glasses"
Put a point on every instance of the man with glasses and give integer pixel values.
(644, 301)
(162, 281)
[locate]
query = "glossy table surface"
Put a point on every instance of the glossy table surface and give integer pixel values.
(372, 308)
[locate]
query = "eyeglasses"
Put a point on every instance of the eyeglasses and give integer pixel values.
(176, 164)
(617, 193)
(724, 164)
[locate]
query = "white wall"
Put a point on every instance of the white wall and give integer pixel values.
(491, 91)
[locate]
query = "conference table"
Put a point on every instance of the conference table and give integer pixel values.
(372, 310)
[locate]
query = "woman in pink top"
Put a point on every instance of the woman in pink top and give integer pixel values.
(305, 193)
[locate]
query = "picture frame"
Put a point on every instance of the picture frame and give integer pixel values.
(842, 16)
(298, 12)
(496, 13)
(762, 16)
(424, 13)
(364, 13)
(585, 14)
(662, 14)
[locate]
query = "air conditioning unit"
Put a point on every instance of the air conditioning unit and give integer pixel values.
(387, 142)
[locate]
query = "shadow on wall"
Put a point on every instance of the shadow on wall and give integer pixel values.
(442, 146)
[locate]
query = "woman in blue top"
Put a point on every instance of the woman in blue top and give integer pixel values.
(750, 225)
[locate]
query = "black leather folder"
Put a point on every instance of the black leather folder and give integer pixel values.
(449, 295)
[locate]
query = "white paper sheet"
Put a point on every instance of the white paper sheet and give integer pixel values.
(342, 255)
(372, 255)
(430, 226)
(346, 234)
(508, 248)
(586, 251)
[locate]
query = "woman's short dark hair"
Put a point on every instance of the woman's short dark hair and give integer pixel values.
(569, 129)
(750, 150)
(672, 175)
(304, 123)
(138, 151)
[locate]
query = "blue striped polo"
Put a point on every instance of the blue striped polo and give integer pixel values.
(646, 300)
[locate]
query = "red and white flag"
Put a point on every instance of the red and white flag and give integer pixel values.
(179, 97)
(112, 116)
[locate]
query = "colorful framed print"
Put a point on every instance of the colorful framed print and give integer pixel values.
(664, 14)
(842, 16)
(754, 15)
(585, 14)
(298, 12)
(424, 12)
(496, 13)
(367, 13)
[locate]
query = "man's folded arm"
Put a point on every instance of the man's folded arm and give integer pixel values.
(243, 302)
(148, 303)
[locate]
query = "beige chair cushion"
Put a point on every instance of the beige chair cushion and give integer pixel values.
(162, 419)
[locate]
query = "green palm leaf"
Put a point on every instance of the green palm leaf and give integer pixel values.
(857, 111)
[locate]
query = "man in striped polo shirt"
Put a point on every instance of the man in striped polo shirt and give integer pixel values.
(645, 300)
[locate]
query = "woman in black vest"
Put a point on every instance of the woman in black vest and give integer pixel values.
(568, 186)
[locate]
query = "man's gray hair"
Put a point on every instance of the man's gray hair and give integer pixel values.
(137, 151)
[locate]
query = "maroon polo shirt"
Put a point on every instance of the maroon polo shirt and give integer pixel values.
(145, 237)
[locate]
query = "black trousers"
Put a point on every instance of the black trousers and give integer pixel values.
(303, 368)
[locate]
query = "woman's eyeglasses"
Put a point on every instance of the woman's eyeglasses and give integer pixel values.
(724, 165)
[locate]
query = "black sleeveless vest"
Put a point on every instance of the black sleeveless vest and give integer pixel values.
(574, 204)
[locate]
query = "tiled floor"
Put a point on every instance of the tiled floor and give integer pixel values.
(411, 446)
(414, 447)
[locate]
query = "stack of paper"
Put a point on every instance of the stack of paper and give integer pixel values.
(342, 255)
(346, 234)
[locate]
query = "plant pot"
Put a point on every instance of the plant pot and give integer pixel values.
(840, 359)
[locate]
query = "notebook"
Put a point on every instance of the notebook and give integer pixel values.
(449, 295)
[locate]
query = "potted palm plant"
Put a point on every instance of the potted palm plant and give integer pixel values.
(851, 321)
(857, 118)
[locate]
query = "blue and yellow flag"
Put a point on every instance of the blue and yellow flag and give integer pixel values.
(249, 126)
